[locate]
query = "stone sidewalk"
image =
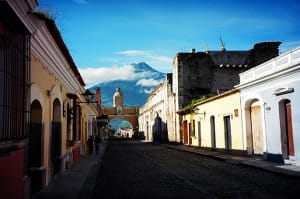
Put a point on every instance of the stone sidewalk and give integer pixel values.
(77, 182)
(284, 169)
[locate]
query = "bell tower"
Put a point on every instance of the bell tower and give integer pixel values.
(118, 100)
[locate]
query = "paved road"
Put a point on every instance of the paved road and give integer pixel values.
(144, 170)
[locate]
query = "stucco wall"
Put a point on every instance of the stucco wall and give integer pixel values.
(159, 107)
(261, 83)
(219, 107)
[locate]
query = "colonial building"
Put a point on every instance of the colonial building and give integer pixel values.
(16, 29)
(120, 111)
(45, 118)
(60, 114)
(270, 100)
(196, 74)
(157, 115)
(214, 123)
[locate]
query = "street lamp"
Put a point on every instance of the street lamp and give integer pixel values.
(87, 94)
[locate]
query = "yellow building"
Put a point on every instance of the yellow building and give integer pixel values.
(60, 118)
(214, 123)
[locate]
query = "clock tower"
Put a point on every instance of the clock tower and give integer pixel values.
(118, 100)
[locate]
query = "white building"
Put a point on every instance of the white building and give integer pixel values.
(157, 116)
(270, 100)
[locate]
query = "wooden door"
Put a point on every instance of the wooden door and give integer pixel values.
(289, 129)
(199, 133)
(185, 132)
(213, 132)
(257, 130)
(227, 130)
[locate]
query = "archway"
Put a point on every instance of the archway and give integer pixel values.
(254, 127)
(56, 137)
(129, 114)
(121, 128)
(36, 147)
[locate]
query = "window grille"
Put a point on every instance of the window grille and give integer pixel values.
(14, 85)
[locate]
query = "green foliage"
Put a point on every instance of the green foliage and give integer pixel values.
(195, 101)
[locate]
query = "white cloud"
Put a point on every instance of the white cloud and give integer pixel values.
(147, 91)
(133, 52)
(147, 82)
(159, 62)
(104, 74)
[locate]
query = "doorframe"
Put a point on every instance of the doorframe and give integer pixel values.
(227, 132)
(286, 131)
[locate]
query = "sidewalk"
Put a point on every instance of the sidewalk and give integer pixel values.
(77, 182)
(284, 169)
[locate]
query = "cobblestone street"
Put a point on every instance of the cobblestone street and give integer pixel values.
(143, 170)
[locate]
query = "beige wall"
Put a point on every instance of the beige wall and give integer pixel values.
(42, 81)
(227, 104)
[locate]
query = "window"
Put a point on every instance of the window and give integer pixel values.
(14, 85)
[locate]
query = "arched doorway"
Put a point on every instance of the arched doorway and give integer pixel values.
(286, 127)
(56, 138)
(254, 128)
(36, 147)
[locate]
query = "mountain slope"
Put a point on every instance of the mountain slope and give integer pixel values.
(135, 90)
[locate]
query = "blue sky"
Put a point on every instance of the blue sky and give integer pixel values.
(108, 35)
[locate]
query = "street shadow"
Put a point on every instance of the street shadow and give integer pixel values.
(160, 131)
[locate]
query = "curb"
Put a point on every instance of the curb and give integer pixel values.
(244, 163)
(88, 187)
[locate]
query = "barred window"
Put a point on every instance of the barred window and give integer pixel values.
(14, 85)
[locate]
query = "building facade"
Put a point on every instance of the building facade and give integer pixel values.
(15, 33)
(210, 124)
(45, 119)
(157, 115)
(197, 74)
(270, 101)
(60, 114)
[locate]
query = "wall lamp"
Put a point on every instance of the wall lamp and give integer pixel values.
(195, 109)
(87, 95)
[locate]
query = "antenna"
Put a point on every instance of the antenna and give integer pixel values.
(222, 45)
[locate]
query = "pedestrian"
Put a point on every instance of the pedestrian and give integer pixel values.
(90, 143)
(97, 144)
